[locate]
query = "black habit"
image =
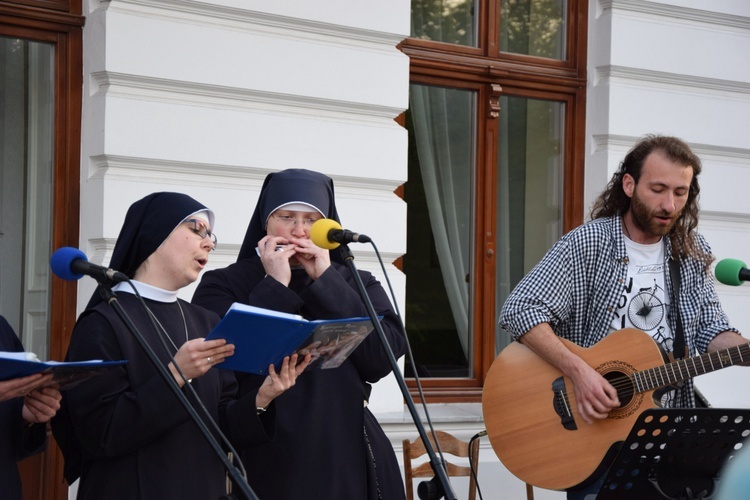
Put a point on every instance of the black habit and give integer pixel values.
(125, 432)
(328, 445)
(18, 440)
(136, 438)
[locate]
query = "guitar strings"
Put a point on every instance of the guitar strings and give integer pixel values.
(655, 377)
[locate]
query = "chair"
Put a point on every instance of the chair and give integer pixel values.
(449, 445)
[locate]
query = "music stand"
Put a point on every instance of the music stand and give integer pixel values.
(675, 453)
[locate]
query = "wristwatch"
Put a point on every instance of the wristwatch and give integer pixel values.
(260, 410)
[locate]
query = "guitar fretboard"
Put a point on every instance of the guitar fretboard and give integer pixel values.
(679, 371)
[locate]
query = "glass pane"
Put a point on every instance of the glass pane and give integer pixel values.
(437, 262)
(529, 190)
(26, 127)
(448, 21)
(534, 27)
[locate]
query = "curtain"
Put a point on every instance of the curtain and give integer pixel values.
(443, 121)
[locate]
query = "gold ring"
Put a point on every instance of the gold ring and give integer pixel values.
(209, 360)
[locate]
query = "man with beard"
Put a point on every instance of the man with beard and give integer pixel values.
(614, 272)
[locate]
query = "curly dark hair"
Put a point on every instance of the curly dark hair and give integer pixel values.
(614, 200)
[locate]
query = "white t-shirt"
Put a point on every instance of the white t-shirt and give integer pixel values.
(644, 303)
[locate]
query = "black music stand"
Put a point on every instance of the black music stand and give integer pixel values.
(676, 454)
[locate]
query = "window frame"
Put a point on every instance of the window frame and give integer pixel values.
(61, 25)
(58, 5)
(493, 74)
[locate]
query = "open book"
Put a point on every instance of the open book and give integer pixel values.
(263, 337)
(65, 374)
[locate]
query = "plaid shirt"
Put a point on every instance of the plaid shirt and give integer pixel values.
(576, 286)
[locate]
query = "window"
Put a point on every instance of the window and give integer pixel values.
(497, 108)
(26, 103)
(40, 105)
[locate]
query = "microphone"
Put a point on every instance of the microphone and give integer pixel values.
(72, 264)
(327, 233)
(732, 272)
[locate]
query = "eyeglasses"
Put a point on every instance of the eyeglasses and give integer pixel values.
(199, 228)
(289, 221)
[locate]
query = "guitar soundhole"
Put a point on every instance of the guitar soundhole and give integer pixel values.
(624, 386)
(625, 393)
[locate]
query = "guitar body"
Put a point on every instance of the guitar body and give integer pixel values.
(531, 416)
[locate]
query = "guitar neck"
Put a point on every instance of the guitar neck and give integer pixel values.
(679, 371)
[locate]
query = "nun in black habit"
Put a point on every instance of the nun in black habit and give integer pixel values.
(26, 404)
(328, 445)
(124, 432)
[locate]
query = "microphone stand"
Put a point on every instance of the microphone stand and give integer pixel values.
(439, 486)
(237, 479)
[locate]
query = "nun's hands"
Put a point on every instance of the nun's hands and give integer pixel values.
(275, 253)
(278, 254)
(314, 259)
(40, 405)
(195, 357)
(19, 387)
(276, 384)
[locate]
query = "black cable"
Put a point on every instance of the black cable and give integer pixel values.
(410, 356)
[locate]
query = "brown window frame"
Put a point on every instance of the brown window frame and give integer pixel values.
(493, 74)
(59, 23)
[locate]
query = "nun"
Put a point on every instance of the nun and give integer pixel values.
(328, 445)
(26, 405)
(124, 432)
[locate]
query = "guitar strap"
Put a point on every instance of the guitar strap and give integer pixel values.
(679, 351)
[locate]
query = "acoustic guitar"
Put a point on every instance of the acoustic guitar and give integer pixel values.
(530, 409)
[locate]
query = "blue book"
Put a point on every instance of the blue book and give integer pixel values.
(262, 337)
(66, 374)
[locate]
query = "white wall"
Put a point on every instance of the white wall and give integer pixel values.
(207, 97)
(681, 68)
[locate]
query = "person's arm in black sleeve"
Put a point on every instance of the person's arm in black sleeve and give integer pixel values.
(111, 417)
(239, 417)
(27, 439)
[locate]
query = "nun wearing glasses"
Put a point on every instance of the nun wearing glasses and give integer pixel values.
(328, 445)
(124, 432)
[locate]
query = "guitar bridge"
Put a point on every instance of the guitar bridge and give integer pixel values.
(561, 404)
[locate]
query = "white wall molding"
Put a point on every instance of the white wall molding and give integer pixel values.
(738, 222)
(221, 97)
(723, 154)
(249, 21)
(100, 251)
(161, 171)
(604, 142)
(236, 177)
(707, 152)
(682, 83)
(724, 22)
